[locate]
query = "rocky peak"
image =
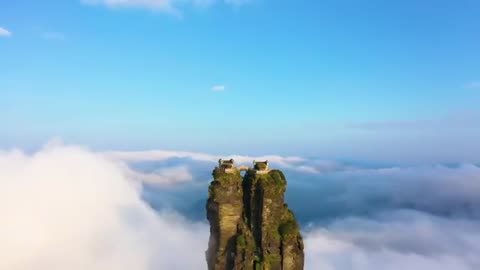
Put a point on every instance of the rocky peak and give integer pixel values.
(251, 227)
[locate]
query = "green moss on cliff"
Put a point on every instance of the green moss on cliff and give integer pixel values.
(288, 229)
(273, 258)
(278, 177)
(224, 180)
(266, 225)
(273, 184)
(241, 242)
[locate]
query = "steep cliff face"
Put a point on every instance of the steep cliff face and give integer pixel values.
(251, 228)
(224, 212)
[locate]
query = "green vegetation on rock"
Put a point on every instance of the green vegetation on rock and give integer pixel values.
(251, 226)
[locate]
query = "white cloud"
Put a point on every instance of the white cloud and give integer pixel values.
(218, 88)
(439, 234)
(166, 176)
(68, 208)
(157, 5)
(169, 6)
(448, 191)
(4, 32)
(161, 155)
(157, 155)
(394, 241)
(321, 166)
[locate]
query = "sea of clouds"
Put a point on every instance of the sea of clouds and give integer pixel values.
(67, 207)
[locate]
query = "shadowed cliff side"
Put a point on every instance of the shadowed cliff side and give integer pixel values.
(251, 228)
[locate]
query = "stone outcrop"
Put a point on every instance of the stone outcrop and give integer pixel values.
(251, 227)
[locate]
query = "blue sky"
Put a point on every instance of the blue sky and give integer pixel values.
(343, 79)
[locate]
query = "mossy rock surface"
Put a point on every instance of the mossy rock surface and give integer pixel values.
(253, 226)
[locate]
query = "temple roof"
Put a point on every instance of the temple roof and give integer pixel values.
(260, 165)
(226, 164)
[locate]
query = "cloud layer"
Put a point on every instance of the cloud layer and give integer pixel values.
(395, 241)
(368, 216)
(293, 162)
(67, 208)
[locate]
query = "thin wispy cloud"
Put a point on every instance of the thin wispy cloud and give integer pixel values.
(4, 32)
(162, 177)
(162, 155)
(203, 3)
(167, 6)
(219, 88)
(237, 2)
(459, 119)
(156, 5)
(53, 36)
(474, 85)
